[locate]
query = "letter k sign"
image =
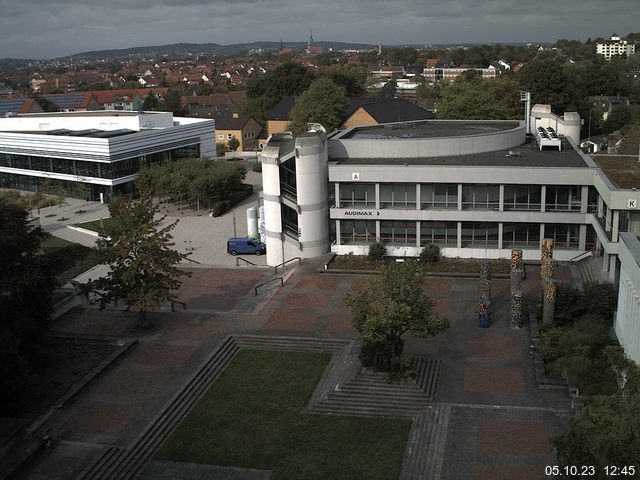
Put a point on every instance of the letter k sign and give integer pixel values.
(632, 203)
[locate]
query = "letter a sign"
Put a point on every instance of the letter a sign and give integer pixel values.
(632, 203)
(355, 176)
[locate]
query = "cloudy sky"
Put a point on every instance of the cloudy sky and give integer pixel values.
(52, 28)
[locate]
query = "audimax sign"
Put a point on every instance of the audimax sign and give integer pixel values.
(360, 213)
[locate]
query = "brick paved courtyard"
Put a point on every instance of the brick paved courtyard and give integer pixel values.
(500, 420)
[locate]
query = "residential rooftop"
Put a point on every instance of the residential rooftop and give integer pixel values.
(622, 170)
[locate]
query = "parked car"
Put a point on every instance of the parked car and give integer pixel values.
(246, 245)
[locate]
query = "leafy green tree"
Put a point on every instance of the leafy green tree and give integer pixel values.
(287, 79)
(150, 103)
(26, 286)
(353, 78)
(473, 97)
(257, 107)
(548, 84)
(233, 144)
(143, 266)
(392, 304)
(324, 102)
(607, 431)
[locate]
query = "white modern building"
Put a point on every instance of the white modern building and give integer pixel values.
(615, 47)
(627, 321)
(475, 188)
(101, 149)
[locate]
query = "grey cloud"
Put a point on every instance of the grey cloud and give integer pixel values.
(47, 28)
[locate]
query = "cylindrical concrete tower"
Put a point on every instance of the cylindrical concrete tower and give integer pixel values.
(252, 222)
(272, 212)
(312, 173)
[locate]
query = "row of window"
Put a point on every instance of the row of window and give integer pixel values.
(484, 234)
(82, 168)
(474, 196)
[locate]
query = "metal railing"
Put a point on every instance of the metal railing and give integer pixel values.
(173, 305)
(255, 290)
(577, 257)
(245, 261)
(275, 269)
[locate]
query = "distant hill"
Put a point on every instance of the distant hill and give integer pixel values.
(196, 48)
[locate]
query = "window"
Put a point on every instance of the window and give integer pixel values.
(479, 234)
(563, 198)
(397, 195)
(357, 195)
(440, 233)
(479, 196)
(229, 136)
(220, 136)
(522, 197)
(592, 200)
(520, 235)
(439, 195)
(398, 232)
(357, 231)
(563, 234)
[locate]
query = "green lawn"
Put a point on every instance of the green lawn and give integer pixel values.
(66, 259)
(95, 225)
(253, 417)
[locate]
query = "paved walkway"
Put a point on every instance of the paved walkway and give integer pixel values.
(498, 424)
(205, 237)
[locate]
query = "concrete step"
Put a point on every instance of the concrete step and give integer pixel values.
(126, 463)
(365, 410)
(425, 450)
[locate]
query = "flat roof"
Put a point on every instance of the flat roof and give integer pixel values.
(622, 170)
(429, 129)
(91, 113)
(526, 155)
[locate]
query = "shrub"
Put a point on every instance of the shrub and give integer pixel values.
(257, 167)
(430, 254)
(600, 298)
(569, 304)
(221, 148)
(220, 207)
(400, 369)
(376, 251)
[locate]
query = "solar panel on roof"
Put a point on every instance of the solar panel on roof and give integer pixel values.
(8, 105)
(113, 133)
(84, 133)
(66, 101)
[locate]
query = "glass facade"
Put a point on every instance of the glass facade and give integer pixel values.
(398, 195)
(357, 231)
(564, 235)
(109, 170)
(477, 196)
(481, 234)
(439, 195)
(520, 235)
(357, 195)
(522, 197)
(563, 198)
(398, 232)
(440, 233)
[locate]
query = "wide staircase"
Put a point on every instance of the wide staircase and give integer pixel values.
(590, 269)
(369, 394)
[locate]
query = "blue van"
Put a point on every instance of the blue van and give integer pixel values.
(245, 245)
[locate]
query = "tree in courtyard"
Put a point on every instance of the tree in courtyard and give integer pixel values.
(25, 299)
(143, 265)
(548, 84)
(392, 304)
(324, 102)
(607, 431)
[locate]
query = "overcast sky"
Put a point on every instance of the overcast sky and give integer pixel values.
(53, 28)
